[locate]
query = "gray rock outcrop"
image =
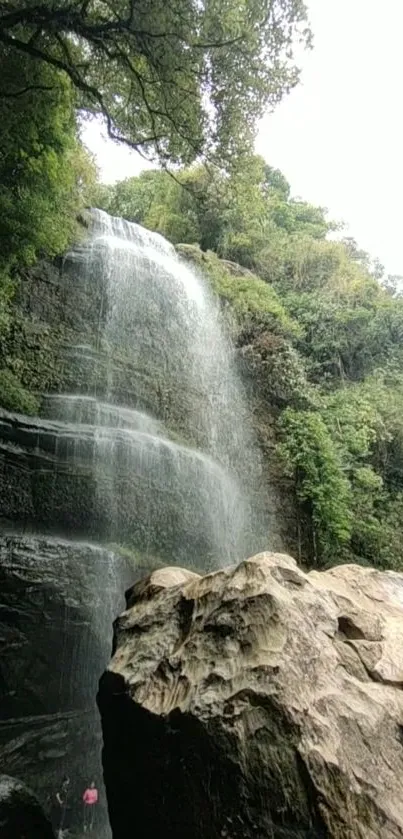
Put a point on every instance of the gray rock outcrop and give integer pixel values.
(257, 701)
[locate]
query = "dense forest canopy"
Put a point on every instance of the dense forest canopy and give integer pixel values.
(172, 78)
(319, 327)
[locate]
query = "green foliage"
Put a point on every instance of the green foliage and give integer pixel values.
(42, 168)
(356, 426)
(364, 424)
(173, 79)
(248, 294)
(45, 179)
(314, 462)
(247, 217)
(250, 298)
(275, 367)
(14, 397)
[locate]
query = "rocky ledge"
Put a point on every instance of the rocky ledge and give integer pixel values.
(257, 701)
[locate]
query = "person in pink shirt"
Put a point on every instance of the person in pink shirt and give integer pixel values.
(90, 799)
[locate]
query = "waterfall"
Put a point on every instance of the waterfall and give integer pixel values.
(165, 424)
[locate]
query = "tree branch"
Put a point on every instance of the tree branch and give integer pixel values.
(89, 90)
(70, 20)
(14, 95)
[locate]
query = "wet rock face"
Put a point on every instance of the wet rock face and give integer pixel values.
(57, 602)
(110, 484)
(21, 816)
(257, 701)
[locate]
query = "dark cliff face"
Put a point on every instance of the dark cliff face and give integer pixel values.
(58, 600)
(57, 597)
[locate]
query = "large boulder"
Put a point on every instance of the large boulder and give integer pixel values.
(257, 701)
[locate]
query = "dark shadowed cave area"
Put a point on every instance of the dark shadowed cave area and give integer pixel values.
(176, 777)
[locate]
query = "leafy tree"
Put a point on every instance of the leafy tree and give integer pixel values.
(275, 181)
(246, 216)
(43, 170)
(133, 198)
(314, 461)
(173, 78)
(45, 178)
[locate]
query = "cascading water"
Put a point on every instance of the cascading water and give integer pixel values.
(174, 467)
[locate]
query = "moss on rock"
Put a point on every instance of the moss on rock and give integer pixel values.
(244, 291)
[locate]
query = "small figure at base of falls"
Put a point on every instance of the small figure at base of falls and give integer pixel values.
(90, 799)
(61, 806)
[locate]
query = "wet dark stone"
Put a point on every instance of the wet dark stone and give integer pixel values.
(21, 816)
(57, 603)
(58, 477)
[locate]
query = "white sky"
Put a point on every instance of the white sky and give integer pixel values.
(338, 137)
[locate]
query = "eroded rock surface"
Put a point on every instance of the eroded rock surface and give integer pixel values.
(257, 701)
